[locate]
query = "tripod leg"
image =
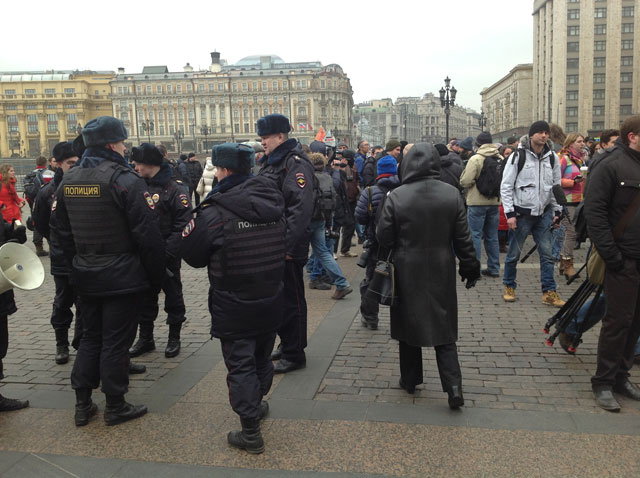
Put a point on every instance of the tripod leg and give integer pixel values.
(582, 326)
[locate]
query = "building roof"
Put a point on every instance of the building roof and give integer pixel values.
(255, 60)
(52, 75)
(155, 69)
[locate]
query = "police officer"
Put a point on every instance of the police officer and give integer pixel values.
(103, 219)
(287, 165)
(174, 212)
(239, 234)
(62, 315)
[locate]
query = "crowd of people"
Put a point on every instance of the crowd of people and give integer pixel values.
(119, 223)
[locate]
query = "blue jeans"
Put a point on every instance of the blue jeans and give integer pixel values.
(325, 257)
(483, 223)
(558, 240)
(538, 226)
(597, 315)
(360, 231)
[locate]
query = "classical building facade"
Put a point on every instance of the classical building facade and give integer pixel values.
(586, 58)
(40, 109)
(191, 110)
(507, 104)
(414, 119)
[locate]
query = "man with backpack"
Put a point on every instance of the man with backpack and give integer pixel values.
(531, 208)
(32, 184)
(481, 178)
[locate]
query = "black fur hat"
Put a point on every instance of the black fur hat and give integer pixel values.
(147, 153)
(62, 151)
(233, 156)
(273, 124)
(103, 130)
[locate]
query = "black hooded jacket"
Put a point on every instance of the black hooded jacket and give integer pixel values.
(256, 200)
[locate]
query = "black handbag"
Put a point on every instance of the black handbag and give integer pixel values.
(383, 287)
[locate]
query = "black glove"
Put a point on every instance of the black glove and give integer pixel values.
(471, 283)
(19, 233)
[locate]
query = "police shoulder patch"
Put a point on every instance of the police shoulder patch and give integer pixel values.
(184, 200)
(301, 180)
(188, 229)
(53, 206)
(150, 203)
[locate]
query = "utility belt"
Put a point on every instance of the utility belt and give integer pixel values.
(246, 291)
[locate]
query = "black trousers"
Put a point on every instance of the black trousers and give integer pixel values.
(349, 230)
(446, 358)
(293, 331)
(369, 307)
(620, 326)
(4, 341)
(65, 298)
(196, 198)
(250, 372)
(109, 328)
(173, 300)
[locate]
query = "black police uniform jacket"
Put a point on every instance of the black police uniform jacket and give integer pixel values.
(41, 214)
(103, 219)
(173, 208)
(239, 234)
(424, 223)
(291, 170)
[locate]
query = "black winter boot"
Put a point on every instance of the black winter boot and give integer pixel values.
(62, 346)
(85, 408)
(11, 404)
(145, 341)
(173, 344)
(249, 438)
(118, 411)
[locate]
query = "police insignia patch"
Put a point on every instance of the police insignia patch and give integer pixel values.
(301, 181)
(188, 229)
(184, 200)
(53, 206)
(150, 203)
(155, 198)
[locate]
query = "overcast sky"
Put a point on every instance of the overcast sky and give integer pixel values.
(388, 49)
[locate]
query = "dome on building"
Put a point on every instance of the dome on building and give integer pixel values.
(255, 60)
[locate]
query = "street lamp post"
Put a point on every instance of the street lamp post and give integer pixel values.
(482, 120)
(177, 136)
(148, 126)
(205, 131)
(447, 100)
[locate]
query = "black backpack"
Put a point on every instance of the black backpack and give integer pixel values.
(32, 184)
(522, 158)
(324, 196)
(488, 182)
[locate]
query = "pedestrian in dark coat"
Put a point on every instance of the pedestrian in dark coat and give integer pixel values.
(421, 220)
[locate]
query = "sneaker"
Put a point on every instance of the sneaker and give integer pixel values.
(487, 272)
(509, 294)
(318, 284)
(341, 293)
(348, 254)
(552, 298)
(335, 256)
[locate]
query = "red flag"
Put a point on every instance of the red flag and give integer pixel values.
(321, 134)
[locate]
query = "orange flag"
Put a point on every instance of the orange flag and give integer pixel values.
(321, 134)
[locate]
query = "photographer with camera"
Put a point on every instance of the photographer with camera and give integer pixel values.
(322, 234)
(343, 218)
(367, 214)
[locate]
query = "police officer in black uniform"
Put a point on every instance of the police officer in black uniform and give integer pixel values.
(174, 212)
(288, 166)
(103, 220)
(239, 233)
(62, 315)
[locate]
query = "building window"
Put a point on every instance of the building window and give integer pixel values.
(600, 29)
(598, 125)
(168, 89)
(627, 44)
(571, 95)
(572, 111)
(626, 77)
(11, 107)
(573, 46)
(236, 127)
(571, 80)
(574, 1)
(31, 107)
(148, 89)
(220, 86)
(627, 28)
(324, 111)
(598, 110)
(32, 123)
(201, 88)
(49, 91)
(598, 94)
(274, 85)
(158, 88)
(69, 91)
(573, 31)
(600, 45)
(599, 77)
(69, 106)
(178, 88)
(50, 106)
(600, 12)
(626, 61)
(625, 110)
(572, 127)
(31, 91)
(52, 122)
(626, 92)
(573, 14)
(600, 62)
(189, 87)
(246, 128)
(572, 63)
(245, 87)
(628, 11)
(302, 111)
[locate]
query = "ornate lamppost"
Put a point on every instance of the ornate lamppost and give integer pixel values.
(177, 136)
(147, 126)
(482, 120)
(447, 100)
(205, 130)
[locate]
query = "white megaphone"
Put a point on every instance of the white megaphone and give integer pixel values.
(19, 267)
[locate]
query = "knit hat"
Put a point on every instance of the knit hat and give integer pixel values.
(257, 147)
(191, 155)
(511, 139)
(392, 144)
(233, 156)
(318, 147)
(467, 143)
(484, 138)
(273, 124)
(387, 165)
(538, 127)
(62, 151)
(147, 153)
(442, 149)
(103, 130)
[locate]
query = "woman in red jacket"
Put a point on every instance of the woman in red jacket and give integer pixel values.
(10, 202)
